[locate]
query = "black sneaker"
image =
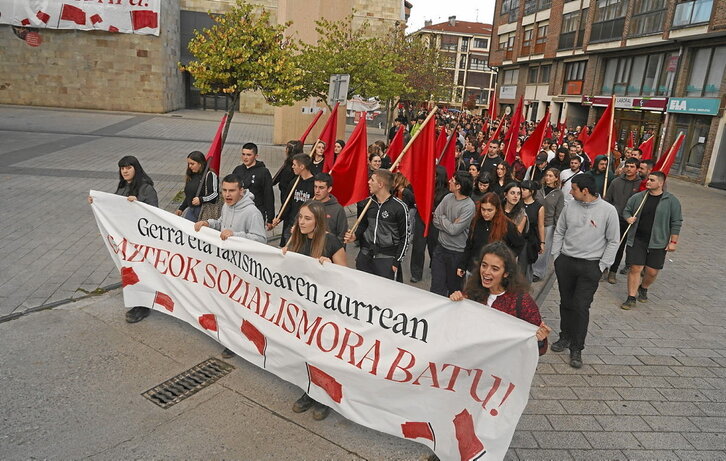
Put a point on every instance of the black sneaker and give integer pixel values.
(642, 294)
(576, 359)
(137, 314)
(320, 411)
(228, 353)
(560, 345)
(625, 270)
(628, 304)
(415, 279)
(303, 404)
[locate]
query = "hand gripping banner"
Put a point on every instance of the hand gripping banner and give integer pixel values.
(454, 376)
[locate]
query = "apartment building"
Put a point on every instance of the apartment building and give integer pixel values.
(464, 47)
(663, 60)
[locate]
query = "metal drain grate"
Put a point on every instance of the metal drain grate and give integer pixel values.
(187, 383)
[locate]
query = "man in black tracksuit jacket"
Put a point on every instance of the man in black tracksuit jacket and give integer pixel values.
(257, 179)
(383, 232)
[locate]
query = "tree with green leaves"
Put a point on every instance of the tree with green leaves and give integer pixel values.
(245, 51)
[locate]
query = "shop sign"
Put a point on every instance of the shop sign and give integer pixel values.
(508, 92)
(698, 106)
(628, 102)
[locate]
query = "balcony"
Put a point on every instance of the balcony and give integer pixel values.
(606, 31)
(692, 13)
(566, 41)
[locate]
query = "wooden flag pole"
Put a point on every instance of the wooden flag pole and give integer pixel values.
(395, 164)
(610, 144)
(297, 180)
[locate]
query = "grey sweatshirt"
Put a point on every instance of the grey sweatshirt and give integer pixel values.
(337, 220)
(452, 218)
(588, 231)
(620, 190)
(553, 204)
(243, 218)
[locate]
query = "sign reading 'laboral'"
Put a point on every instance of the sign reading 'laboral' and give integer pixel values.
(454, 376)
(123, 16)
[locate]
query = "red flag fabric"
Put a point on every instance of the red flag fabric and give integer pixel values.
(597, 142)
(647, 148)
(312, 124)
(328, 135)
(396, 146)
(665, 163)
(96, 18)
(112, 29)
(448, 160)
(562, 128)
(419, 167)
(583, 136)
(513, 133)
(493, 106)
(495, 136)
(533, 144)
(631, 140)
(253, 334)
(548, 131)
(415, 430)
(73, 13)
(43, 16)
(350, 173)
(144, 18)
(25, 22)
(128, 276)
(208, 322)
(329, 384)
(470, 447)
(165, 300)
(214, 155)
(441, 143)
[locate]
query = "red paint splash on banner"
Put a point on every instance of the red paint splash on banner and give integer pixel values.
(165, 300)
(329, 384)
(470, 447)
(96, 18)
(128, 276)
(208, 322)
(416, 429)
(253, 334)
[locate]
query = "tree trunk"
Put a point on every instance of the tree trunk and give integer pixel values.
(230, 114)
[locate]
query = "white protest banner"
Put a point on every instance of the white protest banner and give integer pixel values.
(123, 16)
(454, 376)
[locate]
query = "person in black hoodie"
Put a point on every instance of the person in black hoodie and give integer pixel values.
(195, 196)
(284, 175)
(304, 190)
(256, 178)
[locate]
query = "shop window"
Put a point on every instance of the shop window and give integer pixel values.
(707, 69)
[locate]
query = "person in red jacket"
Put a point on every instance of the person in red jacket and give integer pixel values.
(501, 286)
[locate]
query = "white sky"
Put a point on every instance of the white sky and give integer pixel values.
(440, 10)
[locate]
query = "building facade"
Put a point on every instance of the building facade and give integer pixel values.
(464, 47)
(663, 60)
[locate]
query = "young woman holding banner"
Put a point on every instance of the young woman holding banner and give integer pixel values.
(311, 238)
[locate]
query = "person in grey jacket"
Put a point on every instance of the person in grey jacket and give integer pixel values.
(334, 211)
(656, 220)
(584, 245)
(622, 188)
(553, 201)
(240, 217)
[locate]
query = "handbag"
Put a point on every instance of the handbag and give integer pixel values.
(210, 210)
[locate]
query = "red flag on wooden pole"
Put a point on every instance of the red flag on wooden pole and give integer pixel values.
(214, 155)
(419, 167)
(312, 124)
(350, 172)
(646, 147)
(328, 136)
(665, 163)
(448, 159)
(396, 146)
(533, 144)
(597, 142)
(513, 134)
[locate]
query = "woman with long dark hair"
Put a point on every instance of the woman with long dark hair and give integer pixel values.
(502, 177)
(194, 195)
(134, 184)
(536, 236)
(500, 285)
(318, 158)
(481, 186)
(489, 225)
(514, 208)
(310, 237)
(553, 201)
(285, 175)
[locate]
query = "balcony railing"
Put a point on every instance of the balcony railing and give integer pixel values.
(448, 47)
(607, 30)
(694, 12)
(567, 41)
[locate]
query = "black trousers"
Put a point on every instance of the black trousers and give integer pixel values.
(418, 247)
(444, 263)
(578, 280)
(381, 266)
(621, 248)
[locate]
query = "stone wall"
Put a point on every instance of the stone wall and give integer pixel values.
(95, 70)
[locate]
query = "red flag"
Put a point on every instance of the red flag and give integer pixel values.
(419, 167)
(485, 129)
(415, 430)
(548, 129)
(563, 128)
(144, 18)
(350, 172)
(631, 139)
(214, 155)
(43, 16)
(96, 18)
(597, 142)
(328, 136)
(396, 146)
(329, 384)
(448, 160)
(128, 276)
(441, 143)
(208, 322)
(647, 148)
(494, 137)
(470, 447)
(312, 124)
(164, 300)
(665, 163)
(73, 13)
(493, 106)
(533, 144)
(254, 335)
(513, 133)
(583, 136)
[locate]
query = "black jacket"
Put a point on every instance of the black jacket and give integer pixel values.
(384, 229)
(258, 180)
(479, 237)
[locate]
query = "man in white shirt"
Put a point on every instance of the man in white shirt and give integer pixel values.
(567, 175)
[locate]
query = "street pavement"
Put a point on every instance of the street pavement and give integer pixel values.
(652, 386)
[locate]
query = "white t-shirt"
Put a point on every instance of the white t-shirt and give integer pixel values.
(566, 175)
(493, 297)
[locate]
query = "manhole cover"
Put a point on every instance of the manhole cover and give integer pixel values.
(187, 383)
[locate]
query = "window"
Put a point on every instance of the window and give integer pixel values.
(541, 40)
(648, 16)
(461, 78)
(572, 30)
(449, 60)
(478, 79)
(574, 76)
(449, 42)
(609, 20)
(707, 69)
(477, 63)
(693, 12)
(532, 6)
(544, 73)
(506, 44)
(527, 40)
(462, 62)
(465, 44)
(511, 77)
(506, 5)
(481, 43)
(532, 74)
(637, 75)
(637, 71)
(513, 10)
